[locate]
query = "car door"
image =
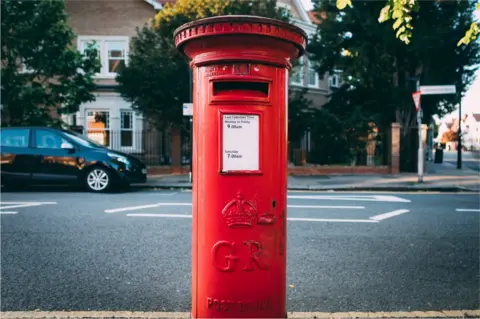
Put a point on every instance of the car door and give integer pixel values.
(17, 157)
(56, 157)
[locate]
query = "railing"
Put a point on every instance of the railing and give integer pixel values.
(371, 150)
(154, 147)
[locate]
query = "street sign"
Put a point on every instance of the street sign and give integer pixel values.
(416, 99)
(437, 89)
(187, 109)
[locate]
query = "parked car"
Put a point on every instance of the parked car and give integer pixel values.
(33, 155)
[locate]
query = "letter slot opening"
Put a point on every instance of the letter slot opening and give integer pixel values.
(240, 88)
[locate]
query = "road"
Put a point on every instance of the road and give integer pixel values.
(65, 250)
(468, 160)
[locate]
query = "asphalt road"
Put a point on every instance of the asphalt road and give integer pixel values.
(468, 160)
(81, 251)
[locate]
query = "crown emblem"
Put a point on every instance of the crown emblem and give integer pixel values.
(239, 213)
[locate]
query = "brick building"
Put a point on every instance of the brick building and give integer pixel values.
(110, 119)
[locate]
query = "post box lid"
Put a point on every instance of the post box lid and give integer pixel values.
(241, 24)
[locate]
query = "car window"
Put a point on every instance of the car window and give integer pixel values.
(15, 137)
(82, 140)
(48, 139)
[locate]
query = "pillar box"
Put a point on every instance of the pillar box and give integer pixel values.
(240, 93)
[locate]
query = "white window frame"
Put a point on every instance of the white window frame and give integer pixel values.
(337, 80)
(300, 72)
(102, 42)
(114, 104)
(109, 121)
(317, 79)
(132, 129)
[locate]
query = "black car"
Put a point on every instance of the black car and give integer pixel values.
(33, 155)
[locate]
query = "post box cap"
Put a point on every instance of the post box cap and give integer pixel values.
(241, 25)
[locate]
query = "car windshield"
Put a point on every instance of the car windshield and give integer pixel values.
(81, 139)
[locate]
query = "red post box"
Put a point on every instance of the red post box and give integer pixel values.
(240, 70)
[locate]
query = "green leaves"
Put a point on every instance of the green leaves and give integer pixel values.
(377, 75)
(473, 31)
(400, 11)
(41, 72)
(156, 80)
(342, 4)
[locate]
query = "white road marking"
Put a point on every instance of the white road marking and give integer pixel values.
(467, 210)
(40, 203)
(332, 220)
(20, 205)
(160, 215)
(390, 214)
(329, 207)
(289, 218)
(124, 209)
(7, 213)
(369, 198)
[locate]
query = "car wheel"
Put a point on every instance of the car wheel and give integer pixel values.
(98, 179)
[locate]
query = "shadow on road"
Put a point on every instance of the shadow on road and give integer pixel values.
(62, 189)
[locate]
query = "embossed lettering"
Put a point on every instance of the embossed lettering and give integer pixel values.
(254, 255)
(230, 258)
(241, 305)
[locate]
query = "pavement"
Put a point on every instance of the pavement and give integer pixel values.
(439, 177)
(350, 254)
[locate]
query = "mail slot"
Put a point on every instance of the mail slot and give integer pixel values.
(233, 88)
(240, 68)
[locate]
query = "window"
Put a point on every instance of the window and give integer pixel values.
(48, 139)
(297, 73)
(112, 51)
(284, 8)
(334, 81)
(98, 127)
(116, 56)
(126, 129)
(15, 137)
(312, 76)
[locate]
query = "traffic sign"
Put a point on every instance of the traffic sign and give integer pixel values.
(437, 89)
(416, 99)
(187, 109)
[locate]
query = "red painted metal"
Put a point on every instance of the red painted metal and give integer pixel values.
(240, 66)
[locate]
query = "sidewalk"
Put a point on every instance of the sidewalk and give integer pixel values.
(439, 177)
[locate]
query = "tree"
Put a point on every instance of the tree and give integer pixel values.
(401, 12)
(42, 72)
(449, 136)
(156, 80)
(379, 72)
(300, 115)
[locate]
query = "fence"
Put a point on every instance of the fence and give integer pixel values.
(370, 150)
(154, 147)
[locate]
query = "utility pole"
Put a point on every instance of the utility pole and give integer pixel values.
(459, 147)
(420, 144)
